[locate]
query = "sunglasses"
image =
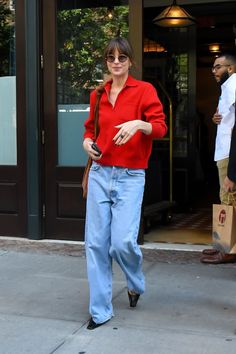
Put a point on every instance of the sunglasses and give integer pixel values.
(218, 67)
(121, 58)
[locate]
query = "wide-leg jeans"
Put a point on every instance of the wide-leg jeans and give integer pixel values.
(113, 212)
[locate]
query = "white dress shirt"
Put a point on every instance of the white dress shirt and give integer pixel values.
(226, 108)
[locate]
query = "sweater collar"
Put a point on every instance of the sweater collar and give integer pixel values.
(129, 82)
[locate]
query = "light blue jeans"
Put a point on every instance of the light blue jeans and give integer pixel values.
(114, 203)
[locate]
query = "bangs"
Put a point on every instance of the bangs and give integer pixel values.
(121, 45)
(113, 47)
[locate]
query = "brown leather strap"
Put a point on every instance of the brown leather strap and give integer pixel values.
(96, 112)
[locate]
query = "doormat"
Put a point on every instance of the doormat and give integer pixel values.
(200, 220)
(193, 229)
(180, 236)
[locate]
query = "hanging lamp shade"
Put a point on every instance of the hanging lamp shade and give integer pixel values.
(152, 46)
(174, 16)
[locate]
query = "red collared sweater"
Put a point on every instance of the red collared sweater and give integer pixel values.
(137, 100)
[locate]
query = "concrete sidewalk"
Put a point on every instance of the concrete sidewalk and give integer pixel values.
(188, 307)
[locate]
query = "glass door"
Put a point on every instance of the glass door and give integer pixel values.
(75, 33)
(12, 120)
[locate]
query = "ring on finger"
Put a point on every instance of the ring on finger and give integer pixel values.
(121, 136)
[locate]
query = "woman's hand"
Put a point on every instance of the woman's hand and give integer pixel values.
(87, 145)
(128, 129)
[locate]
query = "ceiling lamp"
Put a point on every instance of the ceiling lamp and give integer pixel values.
(214, 47)
(110, 12)
(152, 46)
(174, 16)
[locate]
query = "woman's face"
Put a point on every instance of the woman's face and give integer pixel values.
(118, 64)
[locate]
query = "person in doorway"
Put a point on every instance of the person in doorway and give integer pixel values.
(130, 116)
(224, 71)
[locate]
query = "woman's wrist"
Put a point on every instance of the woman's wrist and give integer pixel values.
(146, 127)
(86, 142)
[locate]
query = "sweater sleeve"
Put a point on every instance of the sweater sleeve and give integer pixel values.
(232, 157)
(89, 123)
(153, 112)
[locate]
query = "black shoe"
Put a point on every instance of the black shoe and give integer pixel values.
(133, 299)
(93, 325)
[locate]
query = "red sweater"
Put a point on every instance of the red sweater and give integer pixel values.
(137, 100)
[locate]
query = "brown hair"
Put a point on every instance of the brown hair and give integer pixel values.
(122, 45)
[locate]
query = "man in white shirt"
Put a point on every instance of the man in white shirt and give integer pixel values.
(224, 71)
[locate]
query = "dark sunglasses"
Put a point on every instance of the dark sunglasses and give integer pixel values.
(111, 58)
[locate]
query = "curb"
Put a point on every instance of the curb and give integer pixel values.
(151, 253)
(77, 249)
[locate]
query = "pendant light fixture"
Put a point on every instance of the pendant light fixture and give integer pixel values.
(110, 12)
(152, 46)
(214, 47)
(174, 16)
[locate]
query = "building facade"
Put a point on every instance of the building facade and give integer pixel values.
(51, 57)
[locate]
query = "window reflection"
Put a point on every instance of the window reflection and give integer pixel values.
(7, 84)
(82, 33)
(82, 36)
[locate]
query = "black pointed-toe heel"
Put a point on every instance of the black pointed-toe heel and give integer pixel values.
(133, 298)
(92, 325)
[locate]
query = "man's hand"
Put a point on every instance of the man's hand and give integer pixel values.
(228, 185)
(217, 117)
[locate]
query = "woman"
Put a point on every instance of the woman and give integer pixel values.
(130, 116)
